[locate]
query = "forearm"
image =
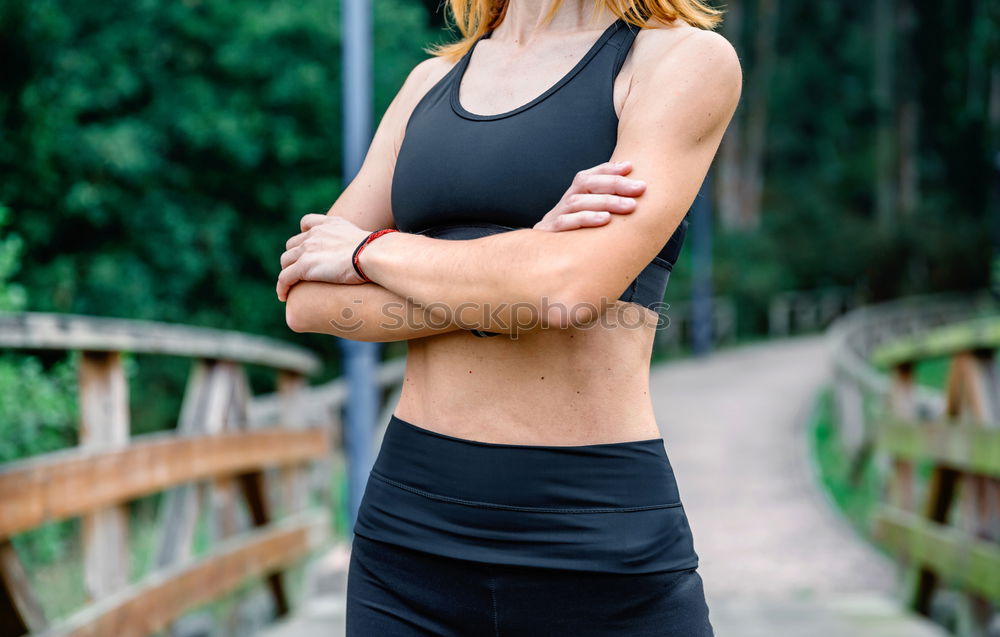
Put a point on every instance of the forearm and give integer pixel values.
(365, 312)
(507, 282)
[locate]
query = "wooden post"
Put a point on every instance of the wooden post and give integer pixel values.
(253, 486)
(293, 479)
(180, 506)
(104, 423)
(979, 403)
(902, 405)
(201, 412)
(226, 514)
(233, 416)
(901, 490)
(97, 480)
(943, 482)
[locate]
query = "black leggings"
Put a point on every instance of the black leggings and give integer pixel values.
(465, 538)
(400, 592)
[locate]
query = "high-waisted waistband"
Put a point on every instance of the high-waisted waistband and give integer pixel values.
(606, 507)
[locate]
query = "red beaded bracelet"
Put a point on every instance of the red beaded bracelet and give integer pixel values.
(357, 251)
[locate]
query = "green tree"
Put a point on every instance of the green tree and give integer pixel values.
(157, 155)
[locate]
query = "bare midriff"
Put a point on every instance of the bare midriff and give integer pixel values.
(574, 386)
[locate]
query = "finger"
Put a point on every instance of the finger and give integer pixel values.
(296, 240)
(589, 201)
(612, 184)
(607, 167)
(291, 256)
(312, 220)
(288, 277)
(624, 165)
(582, 219)
(574, 221)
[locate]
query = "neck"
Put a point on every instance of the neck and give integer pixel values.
(523, 21)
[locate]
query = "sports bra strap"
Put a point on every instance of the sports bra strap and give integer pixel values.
(623, 42)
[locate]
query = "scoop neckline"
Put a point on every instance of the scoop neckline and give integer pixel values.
(456, 85)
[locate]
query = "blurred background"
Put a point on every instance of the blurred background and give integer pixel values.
(832, 315)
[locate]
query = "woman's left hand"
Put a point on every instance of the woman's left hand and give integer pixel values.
(321, 252)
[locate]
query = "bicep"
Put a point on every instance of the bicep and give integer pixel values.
(366, 201)
(670, 129)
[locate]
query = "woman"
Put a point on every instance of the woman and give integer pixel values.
(529, 184)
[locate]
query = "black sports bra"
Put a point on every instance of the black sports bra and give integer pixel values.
(460, 175)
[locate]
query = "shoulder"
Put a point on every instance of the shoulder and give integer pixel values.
(681, 79)
(418, 81)
(425, 74)
(682, 55)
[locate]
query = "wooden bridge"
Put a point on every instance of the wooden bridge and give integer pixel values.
(253, 468)
(776, 557)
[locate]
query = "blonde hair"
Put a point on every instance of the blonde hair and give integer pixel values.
(475, 17)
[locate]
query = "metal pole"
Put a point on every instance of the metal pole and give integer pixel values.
(356, 40)
(701, 270)
(359, 359)
(360, 362)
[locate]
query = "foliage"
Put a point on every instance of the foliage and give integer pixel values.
(12, 295)
(155, 157)
(159, 154)
(37, 405)
(817, 220)
(854, 490)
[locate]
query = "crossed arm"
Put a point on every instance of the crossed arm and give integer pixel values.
(670, 128)
(357, 311)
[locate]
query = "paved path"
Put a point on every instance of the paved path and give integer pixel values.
(776, 559)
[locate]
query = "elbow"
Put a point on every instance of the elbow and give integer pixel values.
(569, 300)
(295, 318)
(300, 312)
(303, 315)
(571, 308)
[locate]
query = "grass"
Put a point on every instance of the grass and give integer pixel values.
(929, 372)
(855, 490)
(855, 487)
(932, 372)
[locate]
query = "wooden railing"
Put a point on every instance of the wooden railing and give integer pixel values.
(798, 311)
(251, 463)
(860, 390)
(678, 321)
(942, 494)
(934, 455)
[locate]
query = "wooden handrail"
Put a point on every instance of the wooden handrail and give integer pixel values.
(151, 605)
(954, 444)
(972, 563)
(936, 453)
(983, 332)
(218, 453)
(68, 483)
(36, 330)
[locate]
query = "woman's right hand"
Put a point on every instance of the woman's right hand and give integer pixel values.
(595, 194)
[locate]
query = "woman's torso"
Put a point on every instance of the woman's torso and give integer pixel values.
(573, 386)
